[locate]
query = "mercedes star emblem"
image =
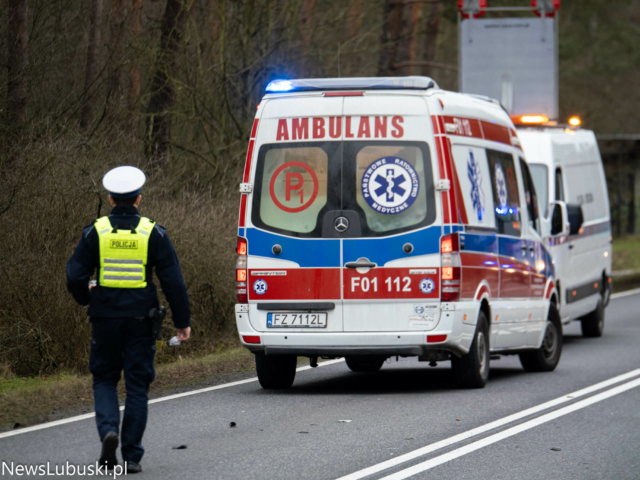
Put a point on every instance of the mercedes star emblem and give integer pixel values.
(341, 224)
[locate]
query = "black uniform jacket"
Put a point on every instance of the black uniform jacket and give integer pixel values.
(129, 302)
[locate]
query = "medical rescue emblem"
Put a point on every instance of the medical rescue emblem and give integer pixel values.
(501, 188)
(390, 185)
(426, 286)
(475, 178)
(260, 287)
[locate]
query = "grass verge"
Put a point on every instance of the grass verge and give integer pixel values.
(626, 253)
(28, 401)
(626, 258)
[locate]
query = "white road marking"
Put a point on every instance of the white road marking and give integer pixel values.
(486, 427)
(472, 447)
(625, 294)
(77, 418)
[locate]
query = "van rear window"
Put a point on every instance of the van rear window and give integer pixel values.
(294, 187)
(388, 185)
(383, 187)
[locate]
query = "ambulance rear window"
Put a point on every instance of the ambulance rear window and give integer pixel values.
(390, 185)
(382, 187)
(292, 185)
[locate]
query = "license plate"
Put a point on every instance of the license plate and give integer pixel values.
(296, 320)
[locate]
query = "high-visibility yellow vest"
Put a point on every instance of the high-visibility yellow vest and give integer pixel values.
(123, 254)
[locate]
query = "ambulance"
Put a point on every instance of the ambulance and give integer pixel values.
(567, 172)
(385, 217)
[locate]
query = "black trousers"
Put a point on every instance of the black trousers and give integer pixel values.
(119, 344)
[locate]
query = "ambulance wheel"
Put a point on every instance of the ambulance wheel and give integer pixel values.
(364, 363)
(546, 358)
(593, 323)
(276, 372)
(472, 370)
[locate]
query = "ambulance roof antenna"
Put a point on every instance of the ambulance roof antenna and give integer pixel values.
(339, 44)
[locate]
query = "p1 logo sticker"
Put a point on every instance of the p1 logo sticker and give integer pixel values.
(260, 286)
(390, 185)
(296, 198)
(427, 286)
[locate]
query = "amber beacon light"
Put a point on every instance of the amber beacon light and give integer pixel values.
(529, 119)
(575, 121)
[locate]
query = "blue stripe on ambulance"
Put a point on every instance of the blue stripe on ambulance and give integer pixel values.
(306, 252)
(386, 249)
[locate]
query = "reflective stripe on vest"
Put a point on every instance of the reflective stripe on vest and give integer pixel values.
(123, 254)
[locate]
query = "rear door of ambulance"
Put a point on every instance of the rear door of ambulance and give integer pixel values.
(391, 246)
(293, 259)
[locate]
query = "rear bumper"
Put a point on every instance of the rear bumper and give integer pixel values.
(457, 324)
(405, 351)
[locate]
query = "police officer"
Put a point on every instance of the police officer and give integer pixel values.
(124, 248)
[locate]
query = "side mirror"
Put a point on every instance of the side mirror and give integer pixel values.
(559, 219)
(576, 218)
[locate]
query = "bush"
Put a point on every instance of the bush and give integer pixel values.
(50, 191)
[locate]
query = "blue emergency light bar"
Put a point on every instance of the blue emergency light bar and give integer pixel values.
(356, 83)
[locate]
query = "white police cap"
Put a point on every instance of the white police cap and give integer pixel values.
(124, 181)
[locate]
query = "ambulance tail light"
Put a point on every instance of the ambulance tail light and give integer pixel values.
(241, 271)
(450, 270)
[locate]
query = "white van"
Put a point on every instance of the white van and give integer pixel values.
(567, 171)
(384, 217)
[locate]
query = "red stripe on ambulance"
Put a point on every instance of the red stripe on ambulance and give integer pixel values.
(380, 283)
(296, 284)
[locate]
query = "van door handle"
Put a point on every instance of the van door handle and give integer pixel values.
(524, 249)
(571, 247)
(360, 265)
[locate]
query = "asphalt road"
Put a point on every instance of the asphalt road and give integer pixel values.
(407, 421)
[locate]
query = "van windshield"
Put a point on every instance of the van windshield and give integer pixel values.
(383, 188)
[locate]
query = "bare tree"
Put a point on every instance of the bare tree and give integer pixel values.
(136, 31)
(92, 64)
(389, 37)
(407, 37)
(354, 19)
(17, 62)
(306, 21)
(431, 38)
(401, 20)
(158, 128)
(117, 30)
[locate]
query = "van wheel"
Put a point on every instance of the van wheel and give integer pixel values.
(472, 370)
(593, 323)
(546, 358)
(365, 363)
(276, 372)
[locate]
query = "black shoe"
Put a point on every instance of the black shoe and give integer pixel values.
(131, 467)
(109, 446)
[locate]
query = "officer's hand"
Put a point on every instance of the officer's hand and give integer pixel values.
(183, 333)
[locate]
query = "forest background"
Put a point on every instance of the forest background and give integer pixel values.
(171, 86)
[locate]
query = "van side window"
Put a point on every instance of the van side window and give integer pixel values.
(506, 197)
(530, 196)
(559, 185)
